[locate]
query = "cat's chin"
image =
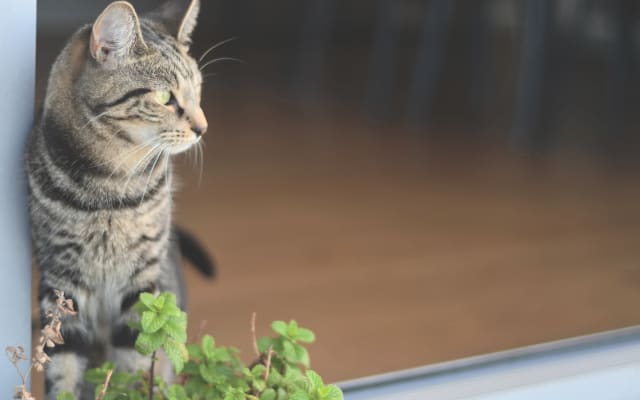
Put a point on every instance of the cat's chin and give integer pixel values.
(178, 148)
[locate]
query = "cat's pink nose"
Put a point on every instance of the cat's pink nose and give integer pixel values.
(199, 122)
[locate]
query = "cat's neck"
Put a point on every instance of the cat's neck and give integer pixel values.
(102, 157)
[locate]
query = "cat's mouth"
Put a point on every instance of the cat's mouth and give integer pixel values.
(180, 147)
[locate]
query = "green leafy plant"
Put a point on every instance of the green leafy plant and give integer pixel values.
(207, 371)
(162, 324)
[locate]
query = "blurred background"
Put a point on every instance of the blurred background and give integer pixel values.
(414, 180)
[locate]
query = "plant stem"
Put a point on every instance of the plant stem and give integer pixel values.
(268, 365)
(151, 379)
(253, 334)
(103, 392)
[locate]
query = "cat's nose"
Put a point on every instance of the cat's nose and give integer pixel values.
(199, 122)
(199, 130)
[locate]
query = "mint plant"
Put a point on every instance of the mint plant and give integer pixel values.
(207, 371)
(287, 343)
(162, 324)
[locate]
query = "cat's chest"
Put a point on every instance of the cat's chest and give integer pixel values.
(115, 241)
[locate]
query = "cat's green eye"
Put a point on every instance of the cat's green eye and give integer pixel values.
(163, 97)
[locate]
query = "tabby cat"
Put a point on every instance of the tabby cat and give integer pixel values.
(122, 98)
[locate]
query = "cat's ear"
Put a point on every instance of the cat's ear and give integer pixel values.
(179, 18)
(116, 34)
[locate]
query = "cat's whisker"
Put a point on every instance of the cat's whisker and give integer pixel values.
(93, 119)
(147, 157)
(153, 167)
(215, 46)
(167, 166)
(201, 158)
(121, 159)
(205, 76)
(143, 161)
(220, 59)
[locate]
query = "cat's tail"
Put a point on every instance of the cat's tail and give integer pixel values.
(195, 252)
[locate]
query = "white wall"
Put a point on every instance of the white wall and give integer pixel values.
(17, 74)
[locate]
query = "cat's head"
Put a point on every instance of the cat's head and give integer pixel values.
(133, 76)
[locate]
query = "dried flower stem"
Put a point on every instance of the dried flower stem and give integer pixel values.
(51, 336)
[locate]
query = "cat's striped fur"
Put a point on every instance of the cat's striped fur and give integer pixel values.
(100, 179)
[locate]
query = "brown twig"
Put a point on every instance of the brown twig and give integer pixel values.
(253, 334)
(103, 392)
(268, 364)
(203, 324)
(151, 379)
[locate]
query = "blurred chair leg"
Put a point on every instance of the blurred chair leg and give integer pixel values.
(429, 60)
(620, 53)
(483, 81)
(316, 34)
(381, 62)
(528, 95)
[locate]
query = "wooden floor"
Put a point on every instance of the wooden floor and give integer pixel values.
(400, 251)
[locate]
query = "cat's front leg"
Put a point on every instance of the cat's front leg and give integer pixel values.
(65, 373)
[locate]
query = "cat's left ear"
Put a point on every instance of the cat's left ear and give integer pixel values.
(116, 35)
(179, 17)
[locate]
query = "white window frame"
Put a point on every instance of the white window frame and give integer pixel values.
(17, 83)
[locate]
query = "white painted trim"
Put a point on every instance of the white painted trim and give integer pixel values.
(17, 77)
(600, 366)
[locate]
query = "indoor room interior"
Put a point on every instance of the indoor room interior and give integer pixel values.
(414, 180)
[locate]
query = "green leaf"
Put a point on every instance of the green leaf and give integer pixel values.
(289, 352)
(213, 395)
(147, 343)
(65, 396)
(147, 299)
(282, 394)
(98, 375)
(195, 352)
(208, 347)
(177, 392)
(279, 327)
(208, 374)
(302, 355)
(259, 385)
(334, 393)
(300, 395)
(223, 354)
(268, 394)
(322, 392)
(95, 376)
(176, 330)
(294, 378)
(305, 335)
(234, 394)
(158, 303)
(315, 381)
(152, 322)
(135, 325)
(169, 307)
(177, 354)
(274, 378)
(292, 329)
(264, 343)
(258, 371)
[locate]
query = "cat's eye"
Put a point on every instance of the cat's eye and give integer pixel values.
(163, 97)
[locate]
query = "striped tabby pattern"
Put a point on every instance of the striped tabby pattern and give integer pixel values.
(122, 98)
